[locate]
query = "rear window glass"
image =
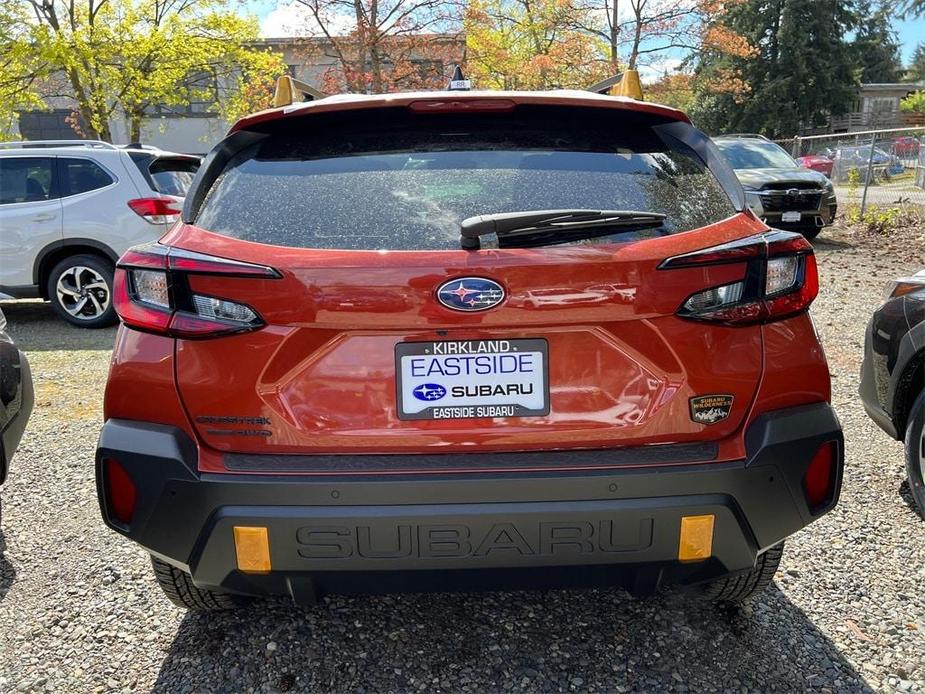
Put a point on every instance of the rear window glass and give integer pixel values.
(81, 175)
(407, 186)
(172, 176)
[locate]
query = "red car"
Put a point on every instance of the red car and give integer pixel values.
(817, 162)
(906, 146)
(364, 359)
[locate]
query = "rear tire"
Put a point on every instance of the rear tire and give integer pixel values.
(80, 291)
(178, 586)
(747, 585)
(915, 452)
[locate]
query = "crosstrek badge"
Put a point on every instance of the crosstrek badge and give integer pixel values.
(710, 409)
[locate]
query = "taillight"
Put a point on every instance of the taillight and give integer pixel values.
(152, 293)
(121, 494)
(819, 478)
(780, 280)
(156, 210)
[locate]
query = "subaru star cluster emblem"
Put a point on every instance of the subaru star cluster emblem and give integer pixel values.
(429, 392)
(470, 294)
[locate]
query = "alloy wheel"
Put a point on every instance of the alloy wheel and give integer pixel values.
(83, 292)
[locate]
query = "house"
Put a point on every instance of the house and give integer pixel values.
(195, 127)
(876, 108)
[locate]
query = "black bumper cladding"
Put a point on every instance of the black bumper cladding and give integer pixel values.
(474, 530)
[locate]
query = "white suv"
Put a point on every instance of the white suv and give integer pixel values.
(69, 209)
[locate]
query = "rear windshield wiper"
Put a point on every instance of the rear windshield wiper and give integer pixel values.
(542, 227)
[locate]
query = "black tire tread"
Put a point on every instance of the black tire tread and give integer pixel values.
(914, 425)
(747, 585)
(179, 588)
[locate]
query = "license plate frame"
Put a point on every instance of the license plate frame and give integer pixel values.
(454, 408)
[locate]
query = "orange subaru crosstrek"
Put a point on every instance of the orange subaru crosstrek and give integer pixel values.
(453, 340)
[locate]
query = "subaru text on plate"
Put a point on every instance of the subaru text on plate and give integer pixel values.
(456, 340)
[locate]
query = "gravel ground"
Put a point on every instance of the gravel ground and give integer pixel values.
(79, 609)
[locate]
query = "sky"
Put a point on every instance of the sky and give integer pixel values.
(911, 32)
(284, 17)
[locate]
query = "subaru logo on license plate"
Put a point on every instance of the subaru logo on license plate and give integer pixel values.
(429, 392)
(470, 294)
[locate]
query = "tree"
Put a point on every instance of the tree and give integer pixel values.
(384, 45)
(875, 45)
(121, 57)
(648, 29)
(915, 8)
(673, 90)
(914, 103)
(803, 69)
(532, 44)
(18, 71)
(916, 70)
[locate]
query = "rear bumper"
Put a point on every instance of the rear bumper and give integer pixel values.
(372, 534)
(822, 217)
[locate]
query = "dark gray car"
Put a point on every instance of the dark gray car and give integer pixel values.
(780, 191)
(16, 397)
(893, 374)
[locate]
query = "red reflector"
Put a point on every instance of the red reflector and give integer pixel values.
(820, 476)
(120, 491)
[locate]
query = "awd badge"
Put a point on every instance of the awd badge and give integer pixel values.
(710, 409)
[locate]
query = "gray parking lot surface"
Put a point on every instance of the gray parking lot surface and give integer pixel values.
(80, 611)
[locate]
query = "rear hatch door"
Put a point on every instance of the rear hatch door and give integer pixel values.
(384, 336)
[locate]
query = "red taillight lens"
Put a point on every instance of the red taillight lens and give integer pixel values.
(152, 293)
(156, 210)
(121, 494)
(780, 280)
(819, 478)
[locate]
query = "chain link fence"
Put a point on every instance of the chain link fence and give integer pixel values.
(872, 170)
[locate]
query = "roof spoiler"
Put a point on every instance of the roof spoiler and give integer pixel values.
(625, 83)
(288, 87)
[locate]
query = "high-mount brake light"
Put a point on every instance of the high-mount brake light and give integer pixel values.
(461, 105)
(780, 280)
(156, 210)
(152, 293)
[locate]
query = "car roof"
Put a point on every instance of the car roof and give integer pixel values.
(558, 97)
(742, 136)
(53, 147)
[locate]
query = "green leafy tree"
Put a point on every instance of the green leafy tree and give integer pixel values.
(121, 57)
(914, 103)
(875, 44)
(915, 72)
(802, 70)
(18, 63)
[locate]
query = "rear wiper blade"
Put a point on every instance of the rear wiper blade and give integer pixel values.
(545, 223)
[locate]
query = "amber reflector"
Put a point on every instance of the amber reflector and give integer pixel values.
(696, 538)
(252, 546)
